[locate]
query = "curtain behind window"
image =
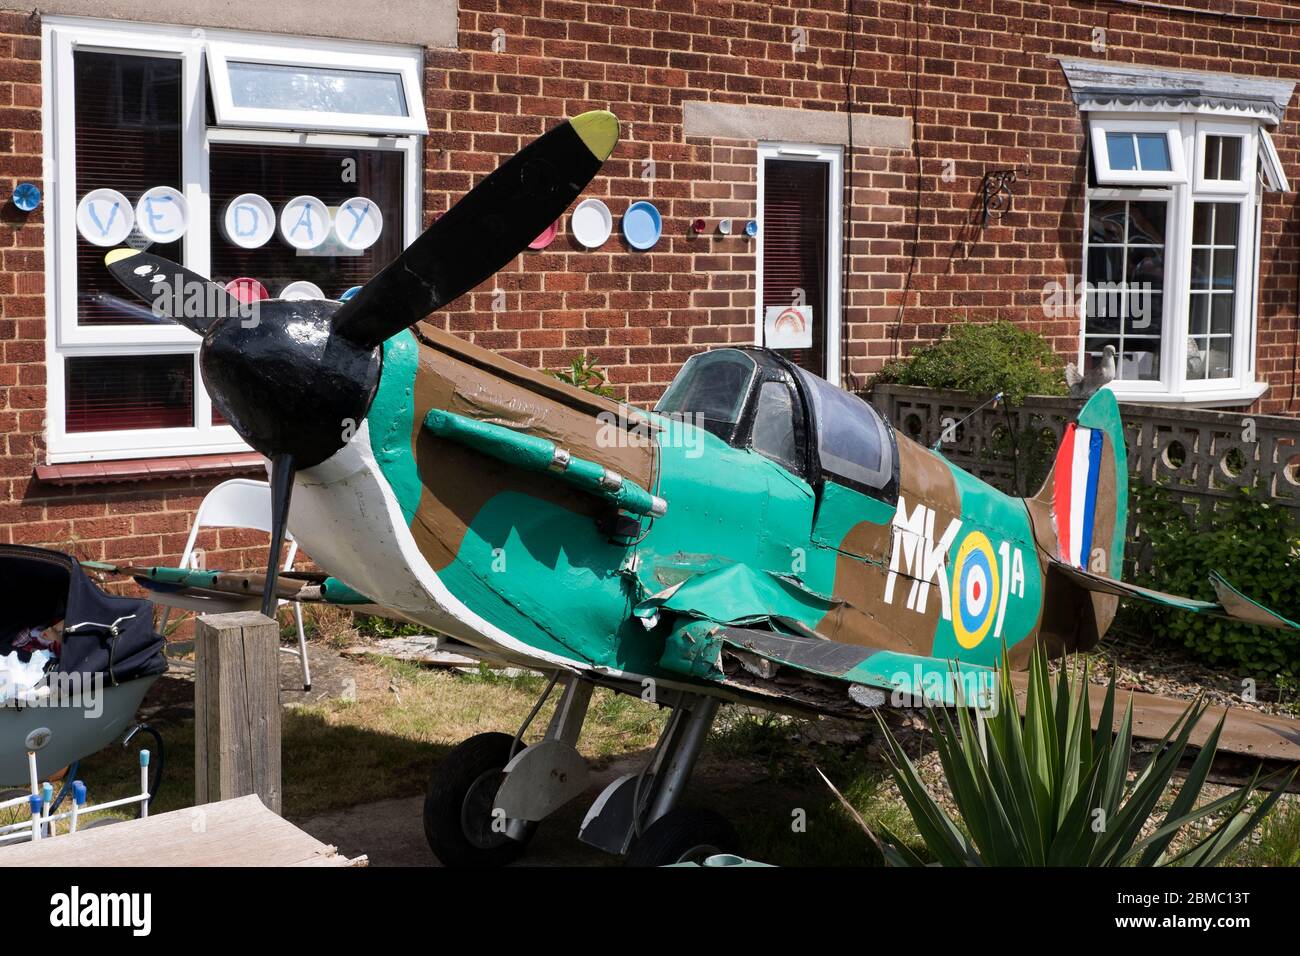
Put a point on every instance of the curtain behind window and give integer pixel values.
(796, 243)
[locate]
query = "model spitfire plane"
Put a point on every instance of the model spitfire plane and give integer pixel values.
(760, 536)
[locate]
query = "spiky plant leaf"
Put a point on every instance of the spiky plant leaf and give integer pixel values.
(1048, 790)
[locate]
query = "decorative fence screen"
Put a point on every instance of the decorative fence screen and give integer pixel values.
(1200, 456)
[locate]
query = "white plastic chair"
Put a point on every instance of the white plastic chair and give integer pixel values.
(246, 503)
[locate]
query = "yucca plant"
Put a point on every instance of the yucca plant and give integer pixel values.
(1048, 791)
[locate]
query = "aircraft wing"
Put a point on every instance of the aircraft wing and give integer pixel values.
(1231, 603)
(217, 592)
(803, 669)
(739, 627)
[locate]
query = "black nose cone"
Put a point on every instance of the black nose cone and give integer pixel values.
(286, 384)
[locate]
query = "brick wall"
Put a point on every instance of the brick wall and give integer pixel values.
(978, 76)
(988, 94)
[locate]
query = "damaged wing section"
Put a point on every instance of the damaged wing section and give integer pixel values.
(839, 678)
(743, 628)
(737, 594)
(1232, 604)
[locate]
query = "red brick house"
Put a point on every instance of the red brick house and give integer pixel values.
(870, 143)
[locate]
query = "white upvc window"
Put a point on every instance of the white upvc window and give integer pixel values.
(1137, 152)
(1171, 267)
(129, 134)
(279, 84)
(800, 189)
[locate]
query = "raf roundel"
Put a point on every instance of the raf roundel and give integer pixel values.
(975, 576)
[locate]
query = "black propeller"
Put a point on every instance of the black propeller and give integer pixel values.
(296, 378)
(475, 238)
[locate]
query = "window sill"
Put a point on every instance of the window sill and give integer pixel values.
(147, 469)
(1204, 398)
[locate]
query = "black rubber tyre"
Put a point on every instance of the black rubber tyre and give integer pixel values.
(458, 805)
(686, 834)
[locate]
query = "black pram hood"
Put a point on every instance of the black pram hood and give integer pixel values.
(102, 633)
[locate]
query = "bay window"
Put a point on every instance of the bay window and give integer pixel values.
(1178, 162)
(1171, 254)
(275, 166)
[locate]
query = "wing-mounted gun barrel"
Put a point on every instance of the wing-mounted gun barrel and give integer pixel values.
(543, 456)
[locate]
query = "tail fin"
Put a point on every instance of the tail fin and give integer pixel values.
(1081, 512)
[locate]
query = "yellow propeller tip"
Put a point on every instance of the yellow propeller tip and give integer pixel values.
(117, 255)
(598, 129)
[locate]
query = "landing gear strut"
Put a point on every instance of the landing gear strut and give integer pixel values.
(486, 798)
(639, 814)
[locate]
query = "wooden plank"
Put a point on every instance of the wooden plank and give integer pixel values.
(237, 708)
(1247, 733)
(429, 650)
(238, 832)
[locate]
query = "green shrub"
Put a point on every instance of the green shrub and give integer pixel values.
(1254, 544)
(984, 358)
(1049, 791)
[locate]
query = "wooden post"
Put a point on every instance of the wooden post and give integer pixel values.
(237, 708)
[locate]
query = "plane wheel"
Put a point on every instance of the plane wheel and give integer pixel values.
(684, 835)
(458, 821)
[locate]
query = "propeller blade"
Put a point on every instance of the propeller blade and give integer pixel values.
(173, 291)
(491, 224)
(282, 472)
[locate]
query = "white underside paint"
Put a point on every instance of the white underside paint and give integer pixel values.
(345, 515)
(347, 518)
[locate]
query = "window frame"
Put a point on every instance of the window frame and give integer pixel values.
(1173, 219)
(1249, 159)
(833, 156)
(279, 52)
(1173, 386)
(1099, 126)
(61, 37)
(1270, 164)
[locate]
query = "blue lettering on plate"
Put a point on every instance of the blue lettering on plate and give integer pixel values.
(103, 227)
(357, 218)
(304, 219)
(256, 223)
(156, 217)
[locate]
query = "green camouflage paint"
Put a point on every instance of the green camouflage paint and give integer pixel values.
(392, 420)
(1102, 412)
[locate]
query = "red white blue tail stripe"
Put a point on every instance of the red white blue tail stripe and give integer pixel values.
(1078, 463)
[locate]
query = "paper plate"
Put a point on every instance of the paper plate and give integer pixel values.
(305, 222)
(642, 225)
(246, 289)
(302, 290)
(248, 221)
(591, 223)
(162, 214)
(105, 217)
(547, 236)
